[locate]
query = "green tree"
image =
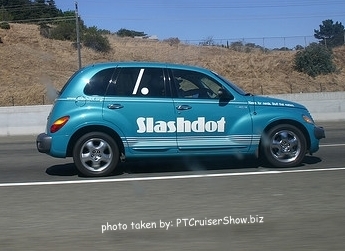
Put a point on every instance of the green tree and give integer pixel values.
(4, 14)
(330, 34)
(314, 60)
(29, 10)
(129, 33)
(299, 47)
(18, 9)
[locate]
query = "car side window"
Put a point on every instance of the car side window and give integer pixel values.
(140, 82)
(97, 85)
(190, 84)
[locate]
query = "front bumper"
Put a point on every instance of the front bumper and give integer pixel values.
(319, 132)
(43, 143)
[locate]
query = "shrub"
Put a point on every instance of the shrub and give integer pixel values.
(96, 41)
(45, 30)
(90, 37)
(172, 41)
(5, 25)
(315, 60)
(63, 31)
(299, 47)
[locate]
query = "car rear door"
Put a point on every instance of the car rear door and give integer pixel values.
(139, 104)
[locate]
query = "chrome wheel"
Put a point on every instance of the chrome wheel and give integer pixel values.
(283, 146)
(96, 154)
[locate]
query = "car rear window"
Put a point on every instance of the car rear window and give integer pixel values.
(139, 82)
(99, 82)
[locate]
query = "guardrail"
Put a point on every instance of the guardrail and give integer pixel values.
(29, 120)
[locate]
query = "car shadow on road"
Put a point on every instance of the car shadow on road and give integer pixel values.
(179, 165)
(310, 160)
(62, 170)
(188, 164)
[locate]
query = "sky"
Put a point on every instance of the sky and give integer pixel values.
(268, 23)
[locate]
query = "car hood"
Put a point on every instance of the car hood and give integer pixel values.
(268, 101)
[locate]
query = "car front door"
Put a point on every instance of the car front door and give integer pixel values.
(205, 123)
(139, 104)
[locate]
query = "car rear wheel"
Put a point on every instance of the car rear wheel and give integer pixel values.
(284, 146)
(96, 154)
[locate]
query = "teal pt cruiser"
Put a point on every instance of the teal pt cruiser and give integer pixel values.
(110, 112)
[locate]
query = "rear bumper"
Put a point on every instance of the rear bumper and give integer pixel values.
(43, 143)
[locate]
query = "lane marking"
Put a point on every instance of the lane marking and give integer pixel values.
(67, 182)
(331, 145)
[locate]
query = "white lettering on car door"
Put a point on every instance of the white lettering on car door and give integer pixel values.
(149, 125)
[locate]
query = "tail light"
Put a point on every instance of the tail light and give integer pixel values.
(58, 124)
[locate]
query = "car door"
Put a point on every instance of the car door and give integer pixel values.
(207, 124)
(139, 104)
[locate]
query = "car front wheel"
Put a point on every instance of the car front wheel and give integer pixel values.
(96, 154)
(284, 146)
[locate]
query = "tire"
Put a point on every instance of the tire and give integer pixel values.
(283, 146)
(96, 154)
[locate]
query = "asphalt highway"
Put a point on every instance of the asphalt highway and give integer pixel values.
(191, 204)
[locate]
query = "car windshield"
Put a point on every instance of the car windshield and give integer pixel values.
(232, 85)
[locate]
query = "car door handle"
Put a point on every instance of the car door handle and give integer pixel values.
(115, 106)
(183, 107)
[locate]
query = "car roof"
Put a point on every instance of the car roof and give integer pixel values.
(147, 64)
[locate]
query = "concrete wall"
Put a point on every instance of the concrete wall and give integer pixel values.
(28, 120)
(23, 120)
(323, 106)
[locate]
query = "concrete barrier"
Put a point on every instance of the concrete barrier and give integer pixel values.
(23, 120)
(29, 120)
(323, 106)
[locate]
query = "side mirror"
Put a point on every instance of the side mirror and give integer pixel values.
(224, 95)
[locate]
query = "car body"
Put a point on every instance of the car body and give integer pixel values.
(108, 112)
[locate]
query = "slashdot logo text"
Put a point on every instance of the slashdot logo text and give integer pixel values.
(182, 222)
(147, 125)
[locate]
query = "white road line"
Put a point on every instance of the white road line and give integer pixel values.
(164, 177)
(331, 145)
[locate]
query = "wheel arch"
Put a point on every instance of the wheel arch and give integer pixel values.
(295, 123)
(94, 128)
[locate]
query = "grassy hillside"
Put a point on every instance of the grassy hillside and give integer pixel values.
(29, 63)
